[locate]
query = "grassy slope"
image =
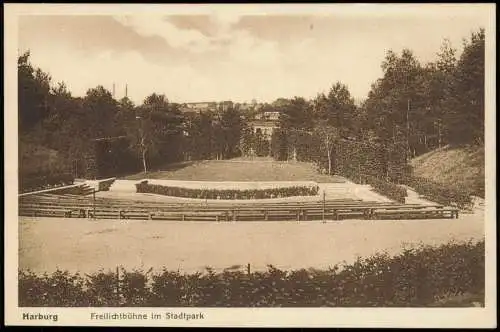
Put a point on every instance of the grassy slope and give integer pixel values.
(240, 169)
(455, 166)
(33, 157)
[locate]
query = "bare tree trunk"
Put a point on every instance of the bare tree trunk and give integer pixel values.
(329, 161)
(143, 155)
(439, 134)
(144, 160)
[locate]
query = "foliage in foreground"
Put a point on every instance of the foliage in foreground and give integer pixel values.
(44, 180)
(417, 277)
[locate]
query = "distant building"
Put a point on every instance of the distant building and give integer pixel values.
(205, 106)
(265, 127)
(199, 107)
(266, 123)
(269, 116)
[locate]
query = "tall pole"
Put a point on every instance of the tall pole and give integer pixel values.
(324, 203)
(408, 132)
(93, 202)
(143, 151)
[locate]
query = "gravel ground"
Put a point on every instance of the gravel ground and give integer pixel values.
(46, 244)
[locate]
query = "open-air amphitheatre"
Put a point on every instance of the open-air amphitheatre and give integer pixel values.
(100, 224)
(295, 182)
(239, 167)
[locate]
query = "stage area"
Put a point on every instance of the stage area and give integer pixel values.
(239, 169)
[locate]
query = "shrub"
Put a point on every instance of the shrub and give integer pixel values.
(134, 288)
(44, 180)
(391, 190)
(417, 277)
(145, 187)
(61, 289)
(441, 193)
(102, 289)
(104, 185)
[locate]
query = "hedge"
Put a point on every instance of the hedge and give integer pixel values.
(391, 190)
(104, 185)
(145, 187)
(44, 180)
(352, 158)
(441, 193)
(417, 277)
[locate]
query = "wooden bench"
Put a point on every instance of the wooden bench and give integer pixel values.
(262, 215)
(134, 214)
(55, 212)
(103, 214)
(122, 209)
(435, 213)
(187, 216)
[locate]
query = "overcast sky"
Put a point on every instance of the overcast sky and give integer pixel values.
(234, 57)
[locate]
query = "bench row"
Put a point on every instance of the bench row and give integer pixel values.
(422, 212)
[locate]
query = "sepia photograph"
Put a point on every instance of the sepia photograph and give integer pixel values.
(168, 164)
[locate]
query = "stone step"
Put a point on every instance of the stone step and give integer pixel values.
(123, 186)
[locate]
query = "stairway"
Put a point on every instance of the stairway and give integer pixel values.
(352, 190)
(85, 190)
(127, 186)
(78, 189)
(336, 190)
(415, 198)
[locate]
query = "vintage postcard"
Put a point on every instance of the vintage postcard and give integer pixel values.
(250, 165)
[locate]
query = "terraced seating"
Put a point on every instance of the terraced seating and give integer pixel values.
(188, 216)
(41, 212)
(416, 213)
(101, 208)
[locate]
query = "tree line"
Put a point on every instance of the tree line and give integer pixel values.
(413, 108)
(155, 132)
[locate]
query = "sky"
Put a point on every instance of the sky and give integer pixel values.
(215, 55)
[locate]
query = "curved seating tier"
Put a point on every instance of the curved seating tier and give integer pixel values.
(73, 206)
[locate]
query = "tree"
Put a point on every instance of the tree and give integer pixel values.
(394, 99)
(160, 131)
(328, 136)
(33, 93)
(337, 108)
(247, 141)
(231, 124)
(294, 114)
(279, 144)
(441, 83)
(465, 114)
(101, 111)
(200, 135)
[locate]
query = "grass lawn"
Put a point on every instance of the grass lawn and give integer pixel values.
(240, 169)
